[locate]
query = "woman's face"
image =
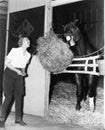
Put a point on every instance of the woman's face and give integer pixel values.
(26, 42)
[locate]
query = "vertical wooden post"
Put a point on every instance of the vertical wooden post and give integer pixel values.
(3, 19)
(104, 75)
(48, 25)
(48, 17)
(7, 31)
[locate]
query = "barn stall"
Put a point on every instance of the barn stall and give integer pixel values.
(62, 99)
(63, 88)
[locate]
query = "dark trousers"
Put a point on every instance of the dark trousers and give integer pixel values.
(13, 88)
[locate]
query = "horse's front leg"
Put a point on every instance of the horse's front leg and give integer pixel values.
(78, 91)
(92, 92)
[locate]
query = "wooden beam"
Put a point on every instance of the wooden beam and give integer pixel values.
(104, 58)
(62, 2)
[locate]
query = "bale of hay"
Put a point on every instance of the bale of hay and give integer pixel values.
(53, 53)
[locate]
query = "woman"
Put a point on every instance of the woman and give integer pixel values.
(14, 73)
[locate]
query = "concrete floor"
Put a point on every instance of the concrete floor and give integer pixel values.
(38, 123)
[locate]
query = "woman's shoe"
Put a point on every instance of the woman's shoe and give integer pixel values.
(20, 122)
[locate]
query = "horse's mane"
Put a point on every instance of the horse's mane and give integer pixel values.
(86, 46)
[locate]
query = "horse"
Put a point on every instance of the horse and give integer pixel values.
(80, 46)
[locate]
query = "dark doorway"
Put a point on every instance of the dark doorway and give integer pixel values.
(28, 22)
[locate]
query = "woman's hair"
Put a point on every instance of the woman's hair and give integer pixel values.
(20, 41)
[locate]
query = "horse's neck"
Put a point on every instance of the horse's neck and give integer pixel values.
(83, 48)
(80, 49)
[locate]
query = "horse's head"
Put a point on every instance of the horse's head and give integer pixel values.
(72, 33)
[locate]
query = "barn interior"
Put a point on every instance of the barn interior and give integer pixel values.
(90, 15)
(90, 18)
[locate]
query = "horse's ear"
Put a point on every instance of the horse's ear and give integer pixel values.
(64, 27)
(75, 21)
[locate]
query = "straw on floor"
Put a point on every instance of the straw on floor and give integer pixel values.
(62, 107)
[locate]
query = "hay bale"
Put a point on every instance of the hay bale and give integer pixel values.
(53, 53)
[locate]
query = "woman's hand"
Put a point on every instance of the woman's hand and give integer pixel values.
(23, 72)
(19, 72)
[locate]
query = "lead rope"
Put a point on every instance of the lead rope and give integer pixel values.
(83, 56)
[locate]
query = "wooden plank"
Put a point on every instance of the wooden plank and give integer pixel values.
(79, 72)
(62, 2)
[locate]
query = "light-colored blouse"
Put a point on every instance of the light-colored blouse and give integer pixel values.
(17, 58)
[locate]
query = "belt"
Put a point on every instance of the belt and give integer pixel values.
(21, 69)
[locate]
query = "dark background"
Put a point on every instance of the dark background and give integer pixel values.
(90, 15)
(35, 18)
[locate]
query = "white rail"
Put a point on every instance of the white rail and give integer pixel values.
(87, 62)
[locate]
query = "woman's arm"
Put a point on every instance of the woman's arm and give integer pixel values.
(8, 64)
